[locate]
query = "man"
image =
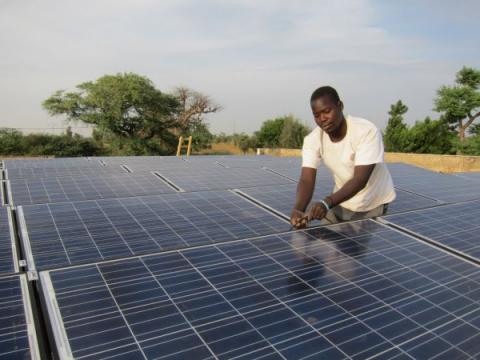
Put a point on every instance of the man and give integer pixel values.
(352, 148)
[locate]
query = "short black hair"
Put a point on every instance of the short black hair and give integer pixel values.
(325, 91)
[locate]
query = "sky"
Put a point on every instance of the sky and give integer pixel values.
(257, 59)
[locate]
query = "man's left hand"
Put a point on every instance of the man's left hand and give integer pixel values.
(317, 211)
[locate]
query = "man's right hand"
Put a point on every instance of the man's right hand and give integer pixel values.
(298, 219)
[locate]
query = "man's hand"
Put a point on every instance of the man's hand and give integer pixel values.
(317, 211)
(298, 219)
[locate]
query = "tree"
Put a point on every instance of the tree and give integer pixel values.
(396, 130)
(293, 132)
(11, 142)
(429, 137)
(460, 103)
(193, 105)
(125, 105)
(201, 136)
(269, 133)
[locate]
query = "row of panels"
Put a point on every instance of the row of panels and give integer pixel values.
(438, 188)
(69, 233)
(349, 291)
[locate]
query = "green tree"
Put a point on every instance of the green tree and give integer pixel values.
(126, 105)
(201, 136)
(11, 142)
(269, 133)
(396, 130)
(293, 132)
(460, 104)
(429, 137)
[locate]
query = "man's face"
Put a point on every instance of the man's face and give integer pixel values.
(327, 114)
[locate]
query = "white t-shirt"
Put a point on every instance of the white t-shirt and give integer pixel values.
(362, 145)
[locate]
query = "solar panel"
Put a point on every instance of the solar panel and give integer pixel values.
(63, 234)
(441, 187)
(50, 172)
(51, 163)
(352, 291)
(470, 175)
(199, 178)
(75, 188)
(281, 198)
(17, 330)
(455, 226)
(8, 252)
(259, 161)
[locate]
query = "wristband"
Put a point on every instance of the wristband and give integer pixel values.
(325, 204)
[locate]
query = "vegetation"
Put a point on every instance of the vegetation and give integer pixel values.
(14, 143)
(129, 116)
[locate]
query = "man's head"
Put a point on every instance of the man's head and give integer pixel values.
(327, 109)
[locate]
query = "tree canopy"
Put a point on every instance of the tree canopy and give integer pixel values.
(460, 104)
(395, 132)
(131, 116)
(127, 105)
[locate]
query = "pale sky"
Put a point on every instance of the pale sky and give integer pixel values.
(258, 59)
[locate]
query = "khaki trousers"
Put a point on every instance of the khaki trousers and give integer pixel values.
(339, 214)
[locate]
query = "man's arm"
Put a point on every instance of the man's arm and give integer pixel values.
(305, 188)
(361, 175)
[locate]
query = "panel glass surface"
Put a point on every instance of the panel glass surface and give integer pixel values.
(14, 327)
(200, 178)
(456, 226)
(6, 253)
(353, 291)
(78, 232)
(68, 188)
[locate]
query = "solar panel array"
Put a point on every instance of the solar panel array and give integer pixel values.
(193, 258)
(8, 256)
(361, 292)
(18, 338)
(75, 232)
(82, 187)
(456, 226)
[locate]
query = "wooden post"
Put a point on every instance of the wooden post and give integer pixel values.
(189, 148)
(180, 143)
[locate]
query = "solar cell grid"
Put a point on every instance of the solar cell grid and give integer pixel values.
(281, 197)
(8, 261)
(33, 173)
(75, 188)
(455, 226)
(17, 331)
(442, 187)
(78, 232)
(259, 161)
(470, 175)
(46, 163)
(221, 178)
(351, 291)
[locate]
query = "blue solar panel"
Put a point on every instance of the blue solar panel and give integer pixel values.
(441, 187)
(8, 255)
(71, 233)
(52, 172)
(17, 330)
(281, 198)
(51, 163)
(76, 188)
(470, 175)
(455, 226)
(353, 291)
(198, 179)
